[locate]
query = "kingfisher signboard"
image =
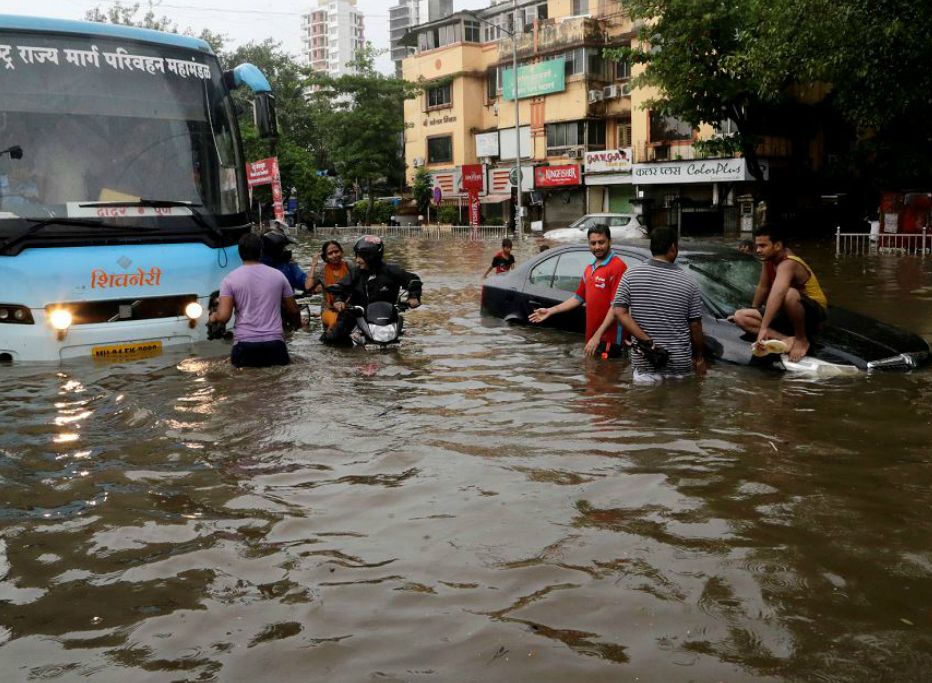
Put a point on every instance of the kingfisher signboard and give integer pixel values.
(557, 176)
(542, 78)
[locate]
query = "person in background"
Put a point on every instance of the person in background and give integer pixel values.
(660, 307)
(277, 254)
(789, 305)
(333, 269)
(596, 289)
(257, 293)
(503, 261)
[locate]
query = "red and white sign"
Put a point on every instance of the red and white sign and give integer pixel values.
(556, 176)
(473, 207)
(265, 172)
(472, 177)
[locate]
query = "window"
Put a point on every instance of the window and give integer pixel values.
(569, 270)
(622, 70)
(561, 136)
(580, 7)
(542, 274)
(441, 96)
(597, 66)
(494, 82)
(471, 31)
(440, 150)
(596, 137)
(666, 128)
(624, 134)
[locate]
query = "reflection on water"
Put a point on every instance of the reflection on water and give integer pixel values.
(481, 504)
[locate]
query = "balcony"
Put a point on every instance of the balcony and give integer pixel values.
(554, 35)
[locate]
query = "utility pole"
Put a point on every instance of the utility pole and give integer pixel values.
(519, 226)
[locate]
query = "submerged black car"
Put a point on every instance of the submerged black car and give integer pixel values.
(726, 279)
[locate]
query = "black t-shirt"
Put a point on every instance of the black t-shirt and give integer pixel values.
(502, 263)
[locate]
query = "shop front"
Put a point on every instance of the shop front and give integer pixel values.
(609, 187)
(562, 193)
(697, 197)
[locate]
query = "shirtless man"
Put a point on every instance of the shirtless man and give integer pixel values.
(789, 305)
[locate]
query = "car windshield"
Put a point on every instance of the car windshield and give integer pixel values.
(728, 281)
(101, 120)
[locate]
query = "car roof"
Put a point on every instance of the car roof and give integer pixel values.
(688, 248)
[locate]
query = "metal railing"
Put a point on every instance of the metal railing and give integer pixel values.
(853, 243)
(436, 231)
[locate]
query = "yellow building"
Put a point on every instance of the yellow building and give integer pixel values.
(586, 139)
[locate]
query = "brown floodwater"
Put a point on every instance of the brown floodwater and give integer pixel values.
(482, 504)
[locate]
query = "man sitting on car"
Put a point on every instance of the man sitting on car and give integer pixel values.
(596, 289)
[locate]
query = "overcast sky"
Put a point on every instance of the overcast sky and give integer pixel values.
(242, 21)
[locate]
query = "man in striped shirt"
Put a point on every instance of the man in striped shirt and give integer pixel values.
(659, 305)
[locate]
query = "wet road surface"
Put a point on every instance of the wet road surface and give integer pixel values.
(482, 504)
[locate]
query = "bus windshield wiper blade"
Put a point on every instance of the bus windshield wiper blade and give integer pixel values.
(35, 225)
(193, 207)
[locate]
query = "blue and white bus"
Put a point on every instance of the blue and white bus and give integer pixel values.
(122, 187)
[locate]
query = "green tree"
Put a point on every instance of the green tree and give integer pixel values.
(422, 189)
(365, 123)
(126, 15)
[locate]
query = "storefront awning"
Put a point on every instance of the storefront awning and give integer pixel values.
(608, 179)
(494, 198)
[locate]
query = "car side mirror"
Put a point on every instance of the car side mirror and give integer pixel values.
(263, 112)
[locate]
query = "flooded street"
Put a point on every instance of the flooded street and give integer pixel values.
(481, 504)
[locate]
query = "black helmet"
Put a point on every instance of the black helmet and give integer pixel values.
(275, 247)
(370, 249)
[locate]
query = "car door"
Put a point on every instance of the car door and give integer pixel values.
(555, 280)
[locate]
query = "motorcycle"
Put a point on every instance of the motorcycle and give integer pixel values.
(380, 323)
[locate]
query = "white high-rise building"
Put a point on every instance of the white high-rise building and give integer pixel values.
(331, 35)
(407, 14)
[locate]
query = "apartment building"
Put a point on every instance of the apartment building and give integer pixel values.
(587, 141)
(404, 16)
(332, 33)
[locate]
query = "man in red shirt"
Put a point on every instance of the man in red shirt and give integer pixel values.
(597, 290)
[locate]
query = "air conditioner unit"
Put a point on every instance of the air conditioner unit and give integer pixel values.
(575, 152)
(610, 92)
(418, 161)
(625, 89)
(595, 96)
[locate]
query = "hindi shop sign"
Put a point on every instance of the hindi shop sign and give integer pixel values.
(265, 172)
(542, 78)
(609, 161)
(699, 171)
(471, 177)
(556, 176)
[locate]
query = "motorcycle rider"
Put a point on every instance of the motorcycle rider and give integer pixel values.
(276, 254)
(373, 280)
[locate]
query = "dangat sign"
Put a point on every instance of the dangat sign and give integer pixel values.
(535, 79)
(609, 161)
(700, 171)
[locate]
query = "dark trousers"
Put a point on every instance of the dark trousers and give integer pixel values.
(259, 354)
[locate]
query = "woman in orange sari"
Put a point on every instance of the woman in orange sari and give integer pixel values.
(333, 269)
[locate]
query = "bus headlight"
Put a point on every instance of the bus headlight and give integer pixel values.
(193, 310)
(60, 319)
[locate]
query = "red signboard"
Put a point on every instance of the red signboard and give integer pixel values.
(265, 172)
(472, 177)
(556, 176)
(473, 207)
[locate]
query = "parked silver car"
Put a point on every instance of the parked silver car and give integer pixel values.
(622, 225)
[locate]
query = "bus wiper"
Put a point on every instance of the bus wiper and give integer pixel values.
(193, 207)
(37, 225)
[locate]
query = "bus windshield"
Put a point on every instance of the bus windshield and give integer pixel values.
(90, 120)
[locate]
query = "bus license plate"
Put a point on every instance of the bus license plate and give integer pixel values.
(127, 351)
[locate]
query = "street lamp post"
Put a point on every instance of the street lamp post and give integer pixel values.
(519, 233)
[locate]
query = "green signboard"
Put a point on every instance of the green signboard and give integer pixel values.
(535, 79)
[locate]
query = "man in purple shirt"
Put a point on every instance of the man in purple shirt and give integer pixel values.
(257, 293)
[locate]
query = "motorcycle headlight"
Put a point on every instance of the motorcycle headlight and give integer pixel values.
(382, 333)
(903, 361)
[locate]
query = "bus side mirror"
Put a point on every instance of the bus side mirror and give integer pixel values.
(263, 112)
